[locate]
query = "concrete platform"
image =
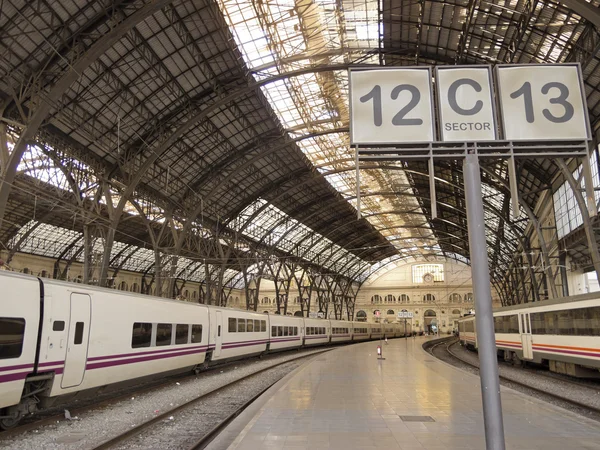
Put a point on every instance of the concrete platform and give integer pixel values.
(347, 399)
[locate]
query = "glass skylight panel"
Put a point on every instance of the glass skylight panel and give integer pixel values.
(312, 102)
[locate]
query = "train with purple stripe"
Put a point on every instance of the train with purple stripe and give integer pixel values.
(563, 334)
(60, 341)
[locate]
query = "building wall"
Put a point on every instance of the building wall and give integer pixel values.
(396, 290)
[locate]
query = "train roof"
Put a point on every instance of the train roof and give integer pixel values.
(554, 301)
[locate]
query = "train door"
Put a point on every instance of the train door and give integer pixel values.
(525, 326)
(77, 341)
(219, 337)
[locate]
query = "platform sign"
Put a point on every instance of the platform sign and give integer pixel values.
(405, 315)
(391, 106)
(542, 102)
(466, 104)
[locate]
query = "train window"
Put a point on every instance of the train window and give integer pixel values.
(257, 326)
(279, 331)
(273, 331)
(285, 331)
(250, 326)
(241, 325)
(163, 334)
(78, 333)
(263, 325)
(537, 323)
(232, 325)
(141, 336)
(58, 325)
(12, 332)
(181, 334)
(513, 324)
(196, 334)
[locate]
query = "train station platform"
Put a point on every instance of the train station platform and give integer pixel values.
(347, 399)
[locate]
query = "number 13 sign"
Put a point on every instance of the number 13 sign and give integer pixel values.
(536, 102)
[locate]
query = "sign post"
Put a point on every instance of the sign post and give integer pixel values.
(543, 114)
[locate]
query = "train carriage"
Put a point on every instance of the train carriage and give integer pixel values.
(285, 332)
(360, 331)
(376, 331)
(466, 331)
(92, 337)
(564, 333)
(317, 332)
(341, 331)
(237, 333)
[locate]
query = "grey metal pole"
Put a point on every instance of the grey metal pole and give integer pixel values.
(484, 320)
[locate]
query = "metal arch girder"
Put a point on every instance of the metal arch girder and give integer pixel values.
(60, 87)
(264, 153)
(584, 9)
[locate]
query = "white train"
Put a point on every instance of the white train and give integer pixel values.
(562, 333)
(59, 340)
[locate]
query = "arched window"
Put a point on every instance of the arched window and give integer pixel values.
(455, 298)
(297, 301)
(376, 311)
(186, 293)
(123, 286)
(390, 311)
(298, 314)
(456, 312)
(390, 298)
(266, 312)
(429, 313)
(361, 316)
(403, 298)
(194, 295)
(236, 300)
(469, 297)
(376, 299)
(428, 298)
(266, 301)
(135, 287)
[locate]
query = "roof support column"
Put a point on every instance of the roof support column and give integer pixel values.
(587, 223)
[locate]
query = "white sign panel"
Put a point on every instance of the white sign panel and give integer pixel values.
(466, 104)
(542, 102)
(391, 106)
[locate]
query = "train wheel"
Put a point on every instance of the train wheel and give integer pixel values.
(8, 422)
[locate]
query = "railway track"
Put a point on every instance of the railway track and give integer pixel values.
(199, 442)
(449, 343)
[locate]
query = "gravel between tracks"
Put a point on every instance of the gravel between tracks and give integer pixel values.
(588, 395)
(102, 423)
(190, 425)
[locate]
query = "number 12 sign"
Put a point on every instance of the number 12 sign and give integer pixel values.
(391, 106)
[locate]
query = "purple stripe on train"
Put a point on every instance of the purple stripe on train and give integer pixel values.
(244, 344)
(100, 365)
(569, 352)
(20, 366)
(14, 376)
(152, 352)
